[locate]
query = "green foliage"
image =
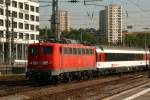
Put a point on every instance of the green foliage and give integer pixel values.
(81, 34)
(44, 32)
(137, 40)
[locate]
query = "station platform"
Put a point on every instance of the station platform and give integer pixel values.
(139, 93)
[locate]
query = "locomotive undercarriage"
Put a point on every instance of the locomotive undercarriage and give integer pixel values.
(46, 76)
(62, 77)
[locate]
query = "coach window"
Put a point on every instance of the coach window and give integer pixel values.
(140, 56)
(47, 50)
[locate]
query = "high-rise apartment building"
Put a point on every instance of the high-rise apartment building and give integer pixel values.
(110, 24)
(64, 23)
(23, 24)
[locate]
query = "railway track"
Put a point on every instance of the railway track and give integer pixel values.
(95, 88)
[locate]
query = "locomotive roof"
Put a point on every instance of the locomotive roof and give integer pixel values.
(58, 44)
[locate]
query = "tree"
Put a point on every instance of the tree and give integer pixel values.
(137, 40)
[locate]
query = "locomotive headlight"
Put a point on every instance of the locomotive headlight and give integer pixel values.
(30, 63)
(35, 62)
(45, 62)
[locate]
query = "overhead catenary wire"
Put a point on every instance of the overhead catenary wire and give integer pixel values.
(129, 14)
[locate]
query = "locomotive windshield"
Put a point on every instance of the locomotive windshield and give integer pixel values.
(47, 50)
(37, 50)
(33, 50)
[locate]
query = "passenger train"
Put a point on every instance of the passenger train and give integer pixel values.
(56, 61)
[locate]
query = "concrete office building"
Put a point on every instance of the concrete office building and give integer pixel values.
(25, 15)
(110, 24)
(64, 24)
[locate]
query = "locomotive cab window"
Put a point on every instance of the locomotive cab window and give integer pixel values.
(33, 50)
(47, 49)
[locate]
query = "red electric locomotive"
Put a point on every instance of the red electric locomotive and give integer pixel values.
(64, 61)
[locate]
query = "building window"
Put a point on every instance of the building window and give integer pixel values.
(32, 17)
(37, 18)
(8, 12)
(1, 1)
(26, 16)
(32, 36)
(37, 9)
(37, 28)
(21, 25)
(1, 22)
(32, 27)
(14, 4)
(7, 23)
(15, 24)
(20, 5)
(21, 35)
(8, 2)
(27, 26)
(14, 14)
(32, 8)
(1, 33)
(37, 37)
(1, 11)
(21, 15)
(15, 34)
(26, 7)
(27, 36)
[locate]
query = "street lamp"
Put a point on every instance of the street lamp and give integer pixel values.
(145, 37)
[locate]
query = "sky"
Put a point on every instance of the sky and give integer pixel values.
(135, 13)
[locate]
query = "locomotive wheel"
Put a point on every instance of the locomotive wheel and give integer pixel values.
(67, 77)
(55, 80)
(79, 76)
